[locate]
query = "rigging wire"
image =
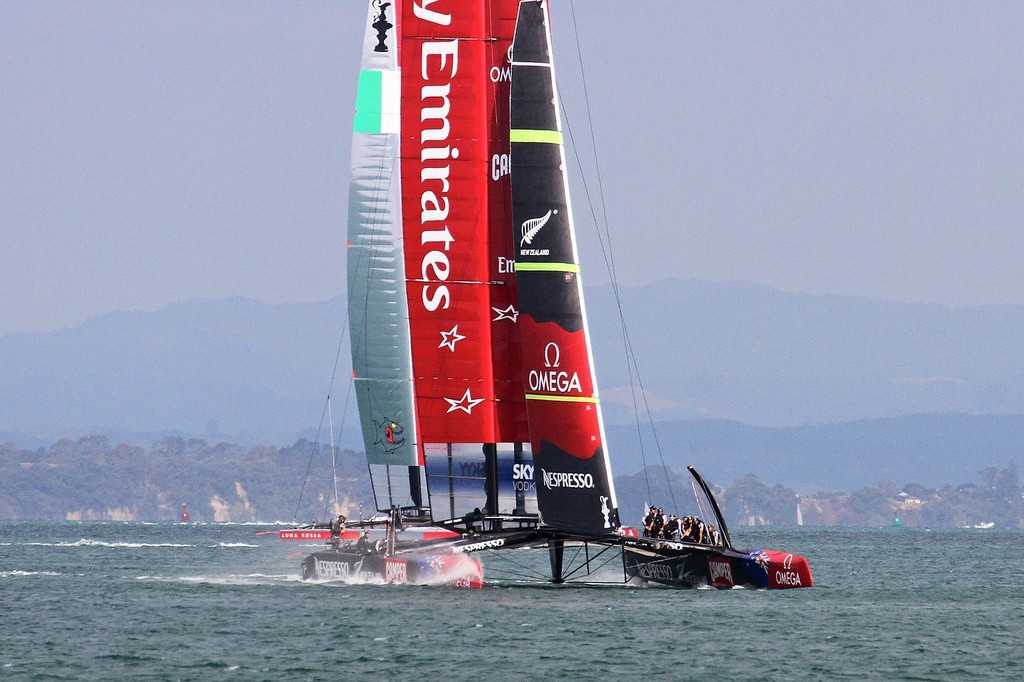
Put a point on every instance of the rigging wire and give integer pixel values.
(344, 416)
(334, 453)
(319, 428)
(633, 370)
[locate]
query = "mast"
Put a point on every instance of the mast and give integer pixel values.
(575, 491)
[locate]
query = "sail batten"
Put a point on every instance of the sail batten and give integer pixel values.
(543, 136)
(547, 267)
(563, 398)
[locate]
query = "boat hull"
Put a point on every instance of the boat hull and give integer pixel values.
(682, 565)
(453, 570)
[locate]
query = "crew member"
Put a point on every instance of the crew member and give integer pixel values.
(713, 536)
(671, 529)
(686, 534)
(337, 528)
(649, 521)
(659, 523)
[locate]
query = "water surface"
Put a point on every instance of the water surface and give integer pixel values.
(100, 601)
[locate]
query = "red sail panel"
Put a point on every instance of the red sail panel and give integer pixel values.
(447, 152)
(563, 404)
(510, 407)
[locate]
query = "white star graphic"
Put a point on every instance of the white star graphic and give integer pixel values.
(466, 403)
(509, 313)
(449, 339)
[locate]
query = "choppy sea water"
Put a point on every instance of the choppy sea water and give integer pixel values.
(102, 601)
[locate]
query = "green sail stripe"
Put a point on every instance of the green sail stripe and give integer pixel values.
(377, 102)
(368, 102)
(544, 136)
(546, 267)
(562, 398)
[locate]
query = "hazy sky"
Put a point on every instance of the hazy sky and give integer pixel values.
(152, 152)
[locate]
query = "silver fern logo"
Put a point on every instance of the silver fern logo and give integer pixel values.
(530, 229)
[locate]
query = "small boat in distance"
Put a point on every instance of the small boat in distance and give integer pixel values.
(472, 361)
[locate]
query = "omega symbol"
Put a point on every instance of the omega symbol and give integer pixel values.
(552, 355)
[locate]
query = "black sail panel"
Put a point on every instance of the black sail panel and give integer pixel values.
(575, 491)
(550, 298)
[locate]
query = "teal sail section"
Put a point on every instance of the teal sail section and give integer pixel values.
(378, 308)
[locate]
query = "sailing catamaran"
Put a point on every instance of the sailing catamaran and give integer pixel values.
(472, 361)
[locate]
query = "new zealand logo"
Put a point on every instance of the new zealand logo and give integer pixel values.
(382, 25)
(532, 226)
(390, 435)
(530, 229)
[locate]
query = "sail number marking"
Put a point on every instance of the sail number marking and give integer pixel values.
(501, 165)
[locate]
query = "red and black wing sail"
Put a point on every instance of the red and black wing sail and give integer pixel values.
(575, 491)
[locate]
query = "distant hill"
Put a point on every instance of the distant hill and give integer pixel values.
(225, 369)
(735, 372)
(762, 356)
(95, 479)
(931, 449)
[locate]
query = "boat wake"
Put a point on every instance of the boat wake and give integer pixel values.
(227, 580)
(25, 574)
(102, 543)
(346, 581)
(232, 545)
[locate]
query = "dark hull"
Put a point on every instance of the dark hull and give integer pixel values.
(455, 570)
(683, 565)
